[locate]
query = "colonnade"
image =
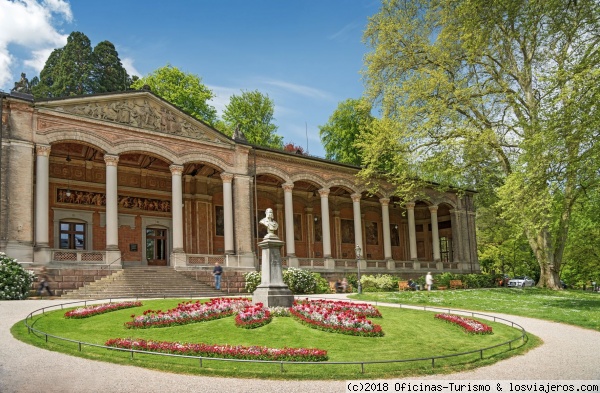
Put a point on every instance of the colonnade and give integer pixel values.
(112, 225)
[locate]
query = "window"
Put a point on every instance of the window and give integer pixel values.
(72, 235)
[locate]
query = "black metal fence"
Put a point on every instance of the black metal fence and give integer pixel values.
(509, 344)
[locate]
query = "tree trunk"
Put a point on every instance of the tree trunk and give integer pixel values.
(541, 245)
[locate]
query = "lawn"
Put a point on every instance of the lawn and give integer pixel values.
(408, 334)
(569, 306)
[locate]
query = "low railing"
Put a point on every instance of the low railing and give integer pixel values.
(204, 259)
(522, 337)
(79, 256)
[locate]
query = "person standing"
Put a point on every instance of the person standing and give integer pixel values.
(217, 271)
(429, 281)
(44, 282)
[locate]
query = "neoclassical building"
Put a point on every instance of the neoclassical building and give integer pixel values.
(126, 179)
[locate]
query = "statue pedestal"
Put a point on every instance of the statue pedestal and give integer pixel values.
(272, 291)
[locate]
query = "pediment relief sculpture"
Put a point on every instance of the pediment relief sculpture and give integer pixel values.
(142, 113)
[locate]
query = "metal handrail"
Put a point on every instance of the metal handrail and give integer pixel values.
(110, 264)
(362, 364)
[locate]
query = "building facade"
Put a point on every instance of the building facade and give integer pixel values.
(127, 179)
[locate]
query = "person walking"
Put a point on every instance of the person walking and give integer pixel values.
(217, 271)
(429, 281)
(44, 282)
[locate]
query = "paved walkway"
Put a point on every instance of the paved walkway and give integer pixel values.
(568, 353)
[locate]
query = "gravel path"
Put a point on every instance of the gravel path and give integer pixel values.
(568, 353)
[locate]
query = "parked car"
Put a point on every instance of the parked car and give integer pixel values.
(521, 281)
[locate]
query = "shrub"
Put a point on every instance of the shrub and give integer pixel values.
(252, 281)
(322, 284)
(378, 283)
(15, 282)
(300, 280)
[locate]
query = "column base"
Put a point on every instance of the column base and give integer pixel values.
(329, 263)
(273, 296)
(178, 259)
(40, 254)
(293, 261)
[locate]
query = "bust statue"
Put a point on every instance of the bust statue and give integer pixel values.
(270, 223)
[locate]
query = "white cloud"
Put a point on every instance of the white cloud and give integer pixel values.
(30, 25)
(303, 90)
(129, 67)
(344, 32)
(222, 95)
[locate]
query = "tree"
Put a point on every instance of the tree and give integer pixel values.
(341, 132)
(252, 112)
(108, 73)
(181, 89)
(76, 69)
(507, 87)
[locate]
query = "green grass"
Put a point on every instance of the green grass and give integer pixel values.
(571, 307)
(408, 334)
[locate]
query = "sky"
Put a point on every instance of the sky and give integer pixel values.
(306, 55)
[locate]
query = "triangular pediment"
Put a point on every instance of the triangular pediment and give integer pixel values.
(139, 109)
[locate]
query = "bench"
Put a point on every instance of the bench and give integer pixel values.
(403, 286)
(454, 284)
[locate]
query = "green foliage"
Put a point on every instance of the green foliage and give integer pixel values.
(77, 69)
(184, 90)
(252, 281)
(339, 135)
(322, 284)
(299, 280)
(482, 95)
(15, 282)
(252, 112)
(108, 73)
(378, 283)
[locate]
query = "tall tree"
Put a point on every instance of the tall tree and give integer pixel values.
(252, 112)
(108, 72)
(512, 84)
(77, 69)
(343, 129)
(182, 89)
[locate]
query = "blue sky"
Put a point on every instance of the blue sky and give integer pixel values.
(306, 55)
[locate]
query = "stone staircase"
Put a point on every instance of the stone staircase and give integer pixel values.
(144, 282)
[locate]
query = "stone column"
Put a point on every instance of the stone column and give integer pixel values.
(41, 195)
(412, 235)
(435, 233)
(228, 211)
(289, 219)
(177, 208)
(324, 193)
(385, 214)
(357, 222)
(242, 208)
(112, 203)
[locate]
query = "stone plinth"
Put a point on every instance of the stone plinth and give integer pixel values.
(272, 291)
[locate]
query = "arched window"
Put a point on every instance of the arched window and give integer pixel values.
(72, 235)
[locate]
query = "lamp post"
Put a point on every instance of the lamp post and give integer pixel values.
(358, 255)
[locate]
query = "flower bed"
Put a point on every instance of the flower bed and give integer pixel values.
(339, 317)
(253, 316)
(222, 351)
(189, 312)
(470, 325)
(85, 312)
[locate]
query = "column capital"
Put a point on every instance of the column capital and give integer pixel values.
(433, 208)
(324, 192)
(111, 160)
(384, 201)
(42, 150)
(410, 205)
(287, 187)
(226, 177)
(356, 197)
(176, 169)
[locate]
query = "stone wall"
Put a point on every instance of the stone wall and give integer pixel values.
(63, 280)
